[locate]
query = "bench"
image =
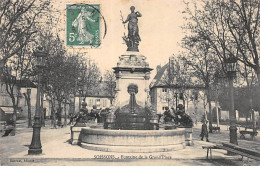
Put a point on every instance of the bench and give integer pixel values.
(244, 152)
(244, 132)
(216, 129)
(209, 150)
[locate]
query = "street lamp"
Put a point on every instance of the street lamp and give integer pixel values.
(230, 64)
(36, 147)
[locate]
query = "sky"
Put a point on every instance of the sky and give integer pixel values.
(159, 29)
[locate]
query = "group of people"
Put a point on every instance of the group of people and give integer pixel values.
(84, 115)
(179, 117)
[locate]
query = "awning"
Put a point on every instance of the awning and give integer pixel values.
(8, 110)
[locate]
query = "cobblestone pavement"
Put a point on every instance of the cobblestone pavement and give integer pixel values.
(57, 151)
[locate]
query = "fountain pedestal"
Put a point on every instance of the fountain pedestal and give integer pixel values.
(132, 68)
(132, 74)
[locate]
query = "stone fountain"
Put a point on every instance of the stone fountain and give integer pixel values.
(132, 126)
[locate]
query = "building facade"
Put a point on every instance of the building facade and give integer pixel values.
(6, 105)
(164, 95)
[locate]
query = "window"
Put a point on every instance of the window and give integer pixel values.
(104, 103)
(164, 108)
(97, 101)
(164, 99)
(164, 90)
(90, 102)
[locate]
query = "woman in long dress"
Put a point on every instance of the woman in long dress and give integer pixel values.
(80, 22)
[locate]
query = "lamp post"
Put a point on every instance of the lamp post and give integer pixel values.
(230, 64)
(36, 147)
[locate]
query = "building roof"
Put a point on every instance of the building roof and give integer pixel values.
(25, 83)
(158, 82)
(20, 83)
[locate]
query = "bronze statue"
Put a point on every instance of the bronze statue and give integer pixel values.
(133, 38)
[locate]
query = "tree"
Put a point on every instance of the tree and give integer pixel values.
(248, 76)
(19, 20)
(16, 69)
(61, 73)
(90, 78)
(110, 87)
(203, 65)
(230, 27)
(177, 79)
(28, 101)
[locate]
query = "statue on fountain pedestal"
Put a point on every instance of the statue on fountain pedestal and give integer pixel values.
(133, 39)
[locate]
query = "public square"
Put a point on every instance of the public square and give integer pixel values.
(57, 151)
(162, 82)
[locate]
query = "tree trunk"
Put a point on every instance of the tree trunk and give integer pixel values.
(187, 103)
(195, 111)
(258, 79)
(59, 113)
(217, 113)
(2, 64)
(53, 113)
(65, 114)
(79, 103)
(205, 109)
(28, 101)
(183, 102)
(252, 112)
(210, 112)
(246, 120)
(29, 112)
(14, 116)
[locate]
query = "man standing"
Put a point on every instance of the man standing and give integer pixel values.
(204, 130)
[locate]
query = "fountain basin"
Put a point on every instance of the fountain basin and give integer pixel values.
(132, 141)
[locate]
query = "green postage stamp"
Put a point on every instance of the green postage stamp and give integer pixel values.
(83, 25)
